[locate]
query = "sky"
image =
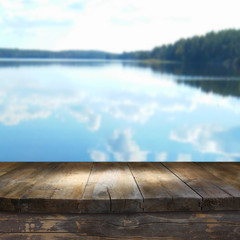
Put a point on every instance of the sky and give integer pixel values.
(110, 25)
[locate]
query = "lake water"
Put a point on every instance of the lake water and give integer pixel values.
(118, 111)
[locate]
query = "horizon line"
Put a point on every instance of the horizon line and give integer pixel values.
(105, 51)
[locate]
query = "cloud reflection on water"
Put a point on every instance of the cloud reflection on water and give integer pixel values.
(122, 147)
(210, 139)
(101, 100)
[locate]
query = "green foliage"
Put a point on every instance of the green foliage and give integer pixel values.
(214, 47)
(16, 53)
(137, 55)
(224, 87)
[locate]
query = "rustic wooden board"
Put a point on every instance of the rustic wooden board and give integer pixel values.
(111, 188)
(6, 167)
(114, 187)
(216, 193)
(61, 191)
(18, 181)
(166, 225)
(229, 172)
(68, 236)
(25, 173)
(162, 190)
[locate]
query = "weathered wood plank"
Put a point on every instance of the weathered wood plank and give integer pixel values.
(15, 183)
(46, 222)
(111, 188)
(229, 172)
(6, 167)
(68, 236)
(216, 193)
(60, 192)
(162, 190)
(172, 225)
(59, 187)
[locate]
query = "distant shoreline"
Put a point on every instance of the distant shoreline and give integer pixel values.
(144, 61)
(215, 47)
(67, 59)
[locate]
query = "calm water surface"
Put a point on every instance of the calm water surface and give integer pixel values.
(118, 111)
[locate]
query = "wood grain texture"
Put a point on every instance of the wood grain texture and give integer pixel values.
(61, 191)
(111, 188)
(162, 190)
(116, 187)
(167, 225)
(69, 236)
(216, 193)
(6, 167)
(229, 172)
(15, 183)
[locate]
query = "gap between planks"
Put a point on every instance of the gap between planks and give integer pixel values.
(118, 187)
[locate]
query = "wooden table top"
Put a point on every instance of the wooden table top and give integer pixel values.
(113, 187)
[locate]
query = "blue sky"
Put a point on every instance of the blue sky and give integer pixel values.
(110, 25)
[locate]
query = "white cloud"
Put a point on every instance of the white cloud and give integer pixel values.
(199, 136)
(98, 156)
(161, 157)
(226, 158)
(211, 99)
(50, 101)
(117, 25)
(131, 111)
(128, 97)
(24, 108)
(88, 116)
(134, 106)
(209, 139)
(184, 157)
(17, 108)
(14, 114)
(124, 148)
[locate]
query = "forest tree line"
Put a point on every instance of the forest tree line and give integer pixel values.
(214, 47)
(73, 54)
